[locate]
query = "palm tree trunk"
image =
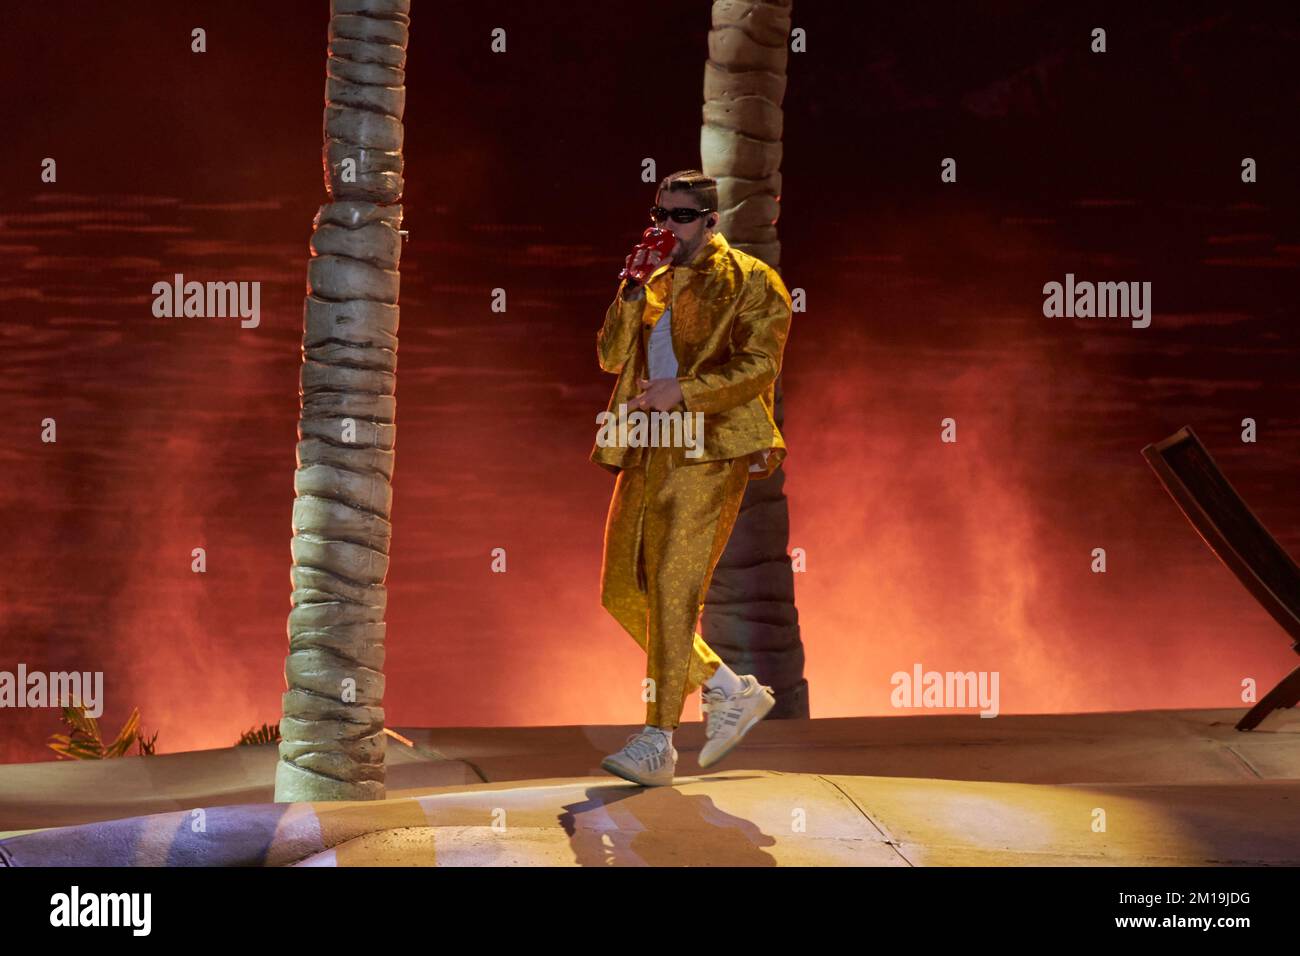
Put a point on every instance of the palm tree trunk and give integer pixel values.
(332, 729)
(749, 613)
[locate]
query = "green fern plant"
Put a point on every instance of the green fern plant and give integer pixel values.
(83, 741)
(266, 734)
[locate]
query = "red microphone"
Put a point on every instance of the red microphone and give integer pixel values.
(653, 239)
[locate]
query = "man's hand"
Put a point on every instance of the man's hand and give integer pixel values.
(660, 395)
(641, 256)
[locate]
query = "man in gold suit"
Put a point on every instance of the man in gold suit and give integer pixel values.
(703, 337)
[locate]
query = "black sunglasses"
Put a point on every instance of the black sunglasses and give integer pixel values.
(680, 214)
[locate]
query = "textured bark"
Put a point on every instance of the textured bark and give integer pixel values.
(749, 613)
(332, 728)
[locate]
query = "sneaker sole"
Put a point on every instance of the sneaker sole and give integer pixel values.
(768, 703)
(626, 774)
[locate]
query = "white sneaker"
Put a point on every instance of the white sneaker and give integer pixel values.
(727, 719)
(647, 758)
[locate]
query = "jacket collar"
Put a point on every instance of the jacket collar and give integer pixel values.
(709, 252)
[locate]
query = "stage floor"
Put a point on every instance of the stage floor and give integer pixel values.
(1139, 788)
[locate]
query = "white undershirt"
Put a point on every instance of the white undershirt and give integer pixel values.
(663, 360)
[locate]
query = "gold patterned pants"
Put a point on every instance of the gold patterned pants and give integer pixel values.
(669, 521)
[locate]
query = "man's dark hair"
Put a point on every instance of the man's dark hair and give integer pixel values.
(703, 188)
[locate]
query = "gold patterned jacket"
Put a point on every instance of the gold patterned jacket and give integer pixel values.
(730, 320)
